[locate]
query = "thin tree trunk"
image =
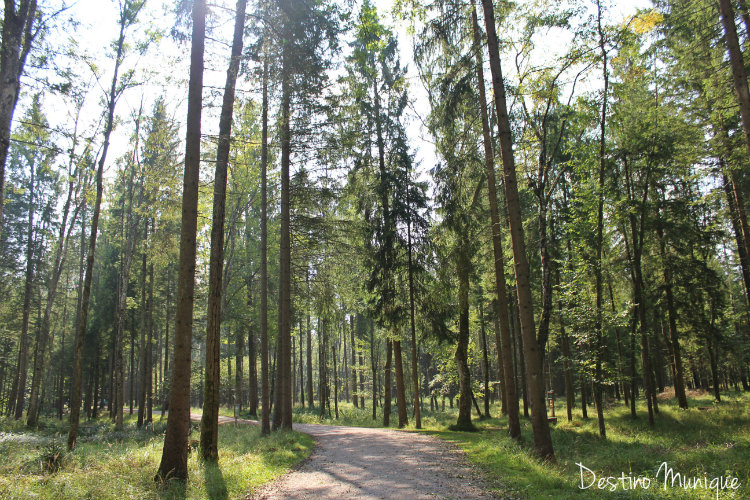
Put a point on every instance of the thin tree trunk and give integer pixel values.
(354, 363)
(599, 232)
(334, 348)
(534, 372)
(174, 455)
(19, 389)
(148, 379)
(265, 396)
(504, 355)
(374, 367)
(403, 419)
(282, 418)
(75, 400)
(302, 364)
(387, 382)
(412, 323)
(61, 251)
(210, 417)
(310, 395)
(621, 377)
(485, 359)
(679, 379)
(144, 307)
(461, 354)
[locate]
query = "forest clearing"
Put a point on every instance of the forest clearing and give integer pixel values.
(375, 249)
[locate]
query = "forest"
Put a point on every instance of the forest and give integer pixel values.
(519, 227)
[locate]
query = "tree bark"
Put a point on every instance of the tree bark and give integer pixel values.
(210, 418)
(265, 395)
(534, 372)
(17, 36)
(282, 418)
(504, 355)
(485, 360)
(461, 354)
(310, 399)
(354, 364)
(739, 75)
(174, 455)
(403, 419)
(387, 382)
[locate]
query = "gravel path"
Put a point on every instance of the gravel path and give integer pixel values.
(364, 463)
(368, 464)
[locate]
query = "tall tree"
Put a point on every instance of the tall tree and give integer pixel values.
(128, 13)
(174, 454)
(504, 355)
(210, 418)
(19, 30)
(533, 357)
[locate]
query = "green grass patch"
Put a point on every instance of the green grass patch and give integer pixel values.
(693, 442)
(111, 464)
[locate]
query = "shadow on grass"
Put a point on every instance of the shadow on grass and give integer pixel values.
(173, 489)
(216, 487)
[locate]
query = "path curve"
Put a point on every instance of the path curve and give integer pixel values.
(369, 464)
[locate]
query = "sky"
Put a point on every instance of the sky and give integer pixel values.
(167, 63)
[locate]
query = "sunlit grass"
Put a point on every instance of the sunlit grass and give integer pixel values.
(109, 464)
(714, 442)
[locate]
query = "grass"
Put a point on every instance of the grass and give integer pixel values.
(111, 464)
(693, 442)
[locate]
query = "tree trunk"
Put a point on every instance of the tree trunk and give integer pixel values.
(463, 422)
(130, 225)
(504, 355)
(18, 395)
(679, 384)
(61, 251)
(265, 396)
(414, 367)
(354, 363)
(334, 347)
(282, 418)
(485, 359)
(374, 367)
(599, 232)
(18, 34)
(75, 400)
(142, 375)
(210, 418)
(621, 377)
(403, 419)
(310, 395)
(174, 455)
(534, 372)
(739, 74)
(387, 382)
(148, 379)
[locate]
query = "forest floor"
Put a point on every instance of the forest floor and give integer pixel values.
(369, 464)
(709, 440)
(111, 464)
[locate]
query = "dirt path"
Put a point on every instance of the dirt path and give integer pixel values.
(369, 464)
